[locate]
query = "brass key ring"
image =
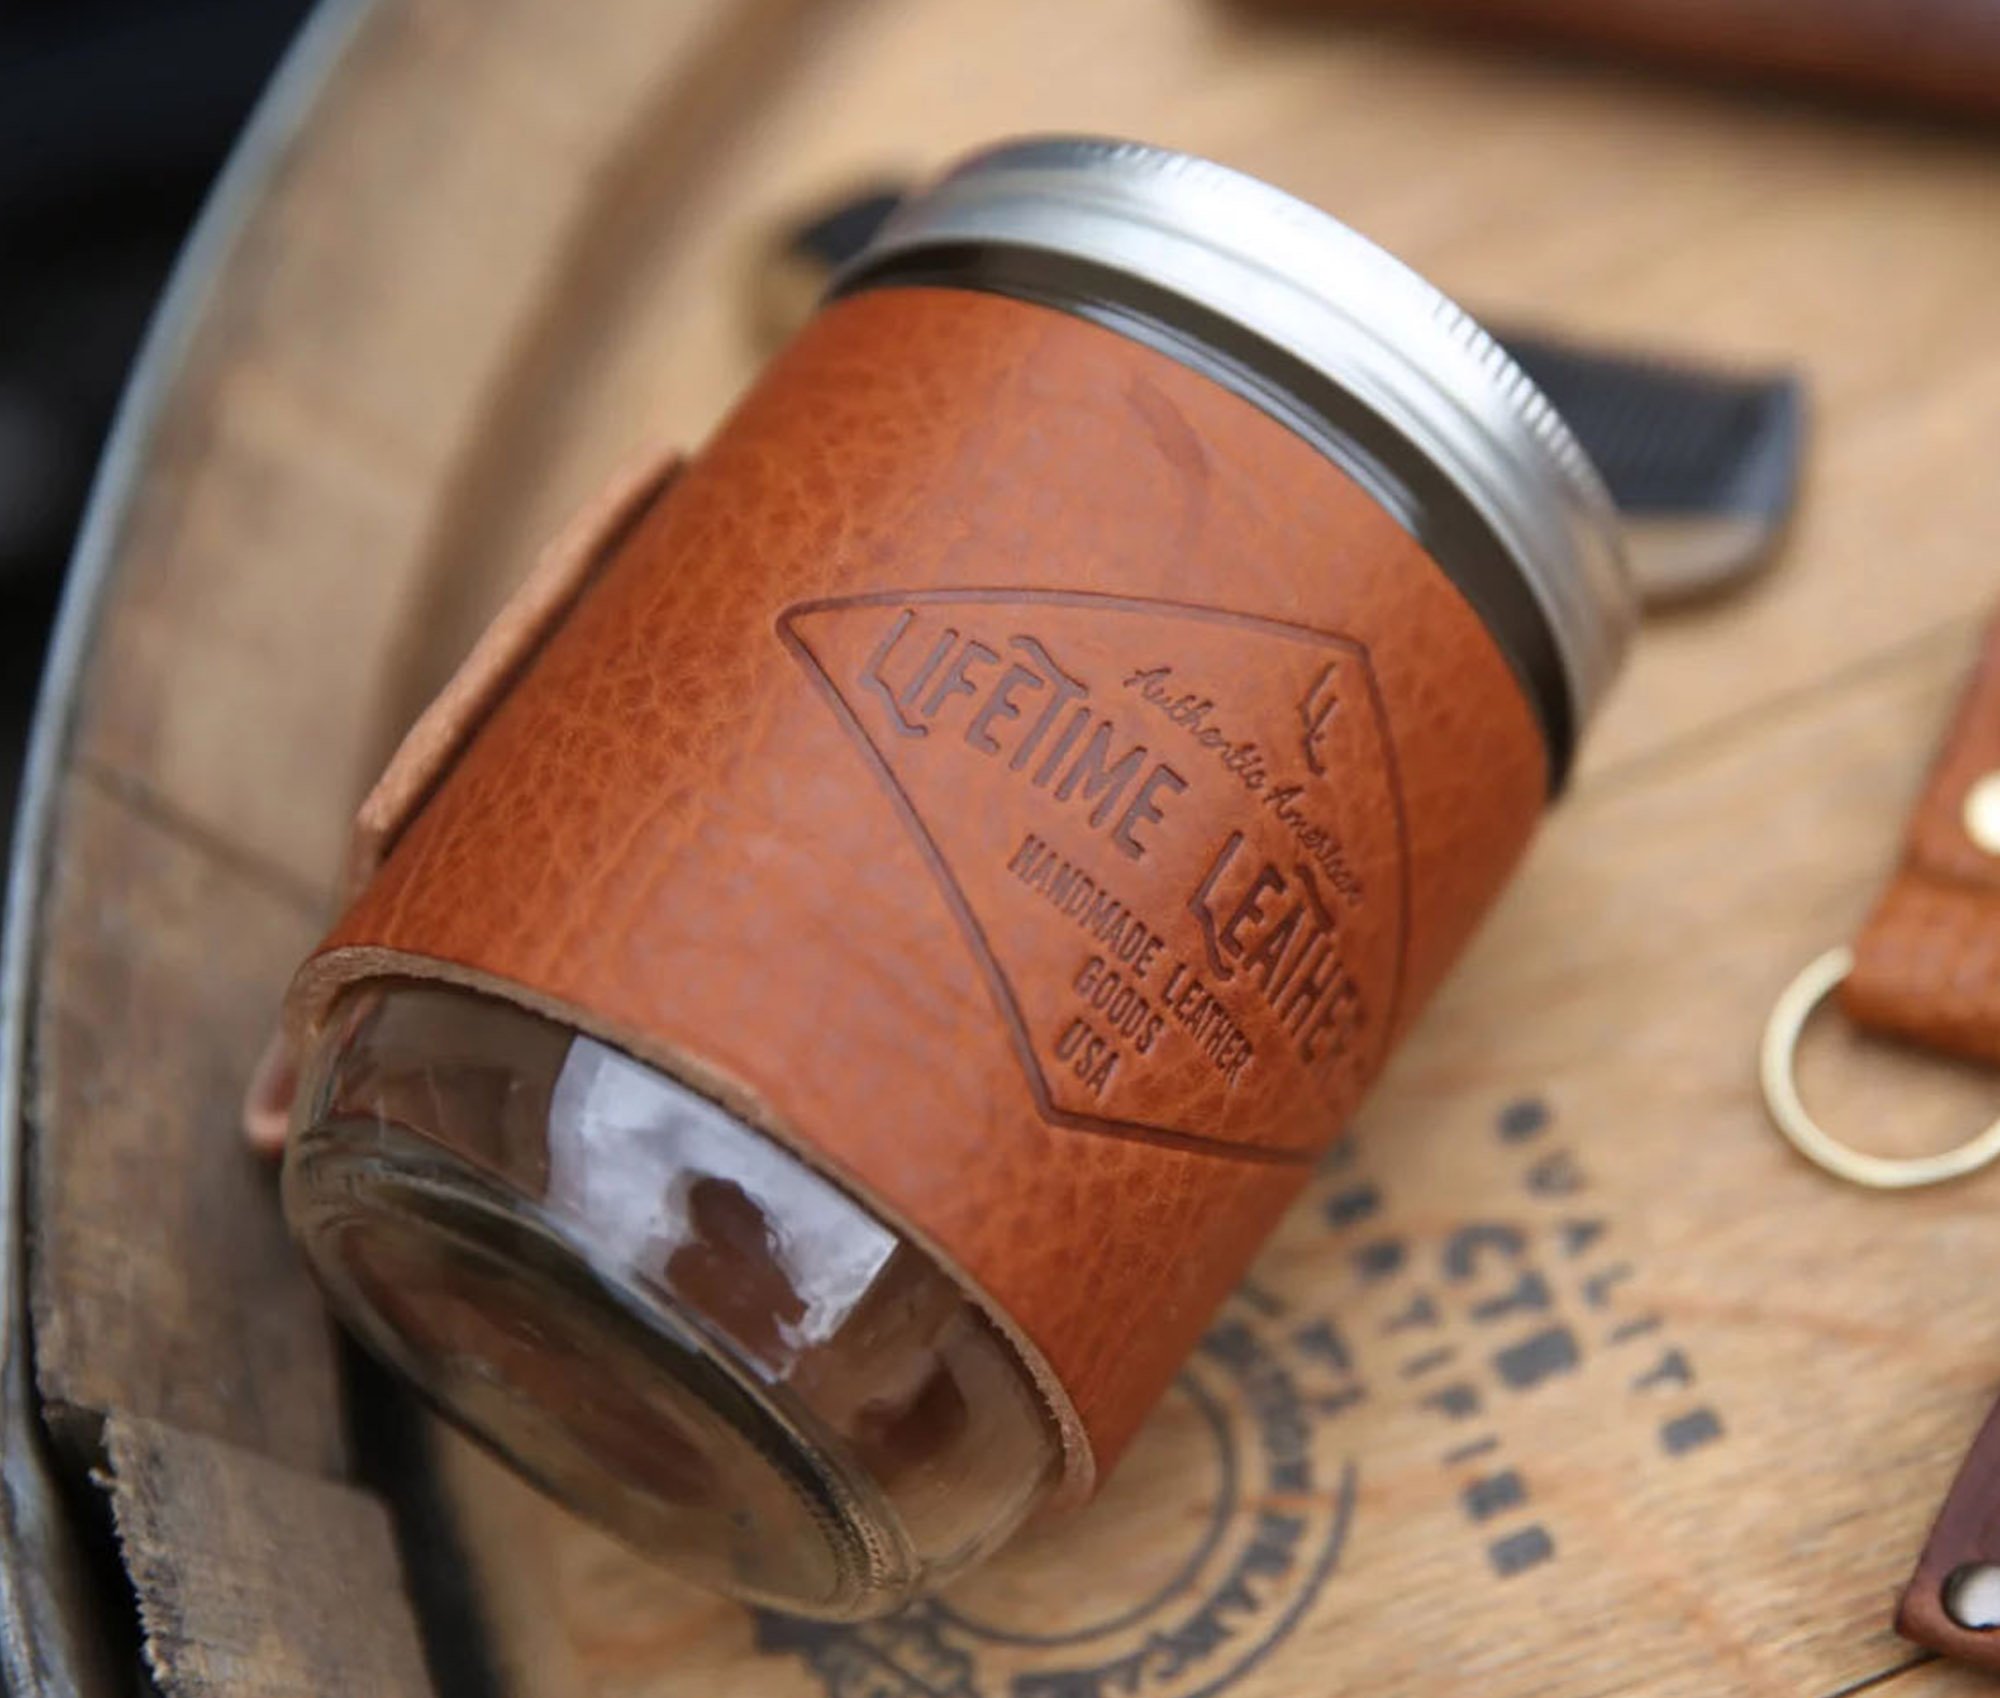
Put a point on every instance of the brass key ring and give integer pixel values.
(1777, 1066)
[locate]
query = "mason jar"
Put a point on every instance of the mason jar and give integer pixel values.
(845, 991)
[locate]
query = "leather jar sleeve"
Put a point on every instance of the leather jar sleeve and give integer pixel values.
(1011, 770)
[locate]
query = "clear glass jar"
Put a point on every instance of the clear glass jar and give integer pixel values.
(656, 1314)
(756, 856)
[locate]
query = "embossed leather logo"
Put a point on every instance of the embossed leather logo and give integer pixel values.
(1172, 836)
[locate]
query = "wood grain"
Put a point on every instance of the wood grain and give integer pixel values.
(163, 1283)
(1722, 1395)
(255, 1581)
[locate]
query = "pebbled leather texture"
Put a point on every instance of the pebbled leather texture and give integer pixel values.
(534, 611)
(1927, 963)
(824, 799)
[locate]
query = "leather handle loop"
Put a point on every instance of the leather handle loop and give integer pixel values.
(541, 603)
(441, 732)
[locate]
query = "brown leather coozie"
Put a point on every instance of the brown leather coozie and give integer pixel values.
(1927, 964)
(1017, 773)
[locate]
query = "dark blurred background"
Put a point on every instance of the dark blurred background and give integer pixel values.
(114, 118)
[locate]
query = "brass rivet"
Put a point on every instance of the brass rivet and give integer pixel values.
(1982, 813)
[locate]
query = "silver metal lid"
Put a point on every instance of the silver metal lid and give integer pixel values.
(1303, 281)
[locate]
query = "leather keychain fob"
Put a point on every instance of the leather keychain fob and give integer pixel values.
(1925, 969)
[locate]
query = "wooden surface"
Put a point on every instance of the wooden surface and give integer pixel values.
(1569, 1380)
(165, 1284)
(255, 1581)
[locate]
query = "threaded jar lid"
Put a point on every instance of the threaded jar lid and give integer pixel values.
(1302, 281)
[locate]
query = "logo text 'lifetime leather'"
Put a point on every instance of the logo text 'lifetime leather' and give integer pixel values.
(1171, 835)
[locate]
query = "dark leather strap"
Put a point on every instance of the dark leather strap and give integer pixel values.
(1965, 1539)
(1937, 53)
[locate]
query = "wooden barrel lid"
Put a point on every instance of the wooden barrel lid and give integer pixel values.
(1567, 1380)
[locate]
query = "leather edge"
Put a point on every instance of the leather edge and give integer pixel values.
(427, 751)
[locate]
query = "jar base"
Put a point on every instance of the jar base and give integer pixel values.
(599, 1394)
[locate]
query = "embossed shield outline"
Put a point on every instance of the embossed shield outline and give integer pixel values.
(955, 896)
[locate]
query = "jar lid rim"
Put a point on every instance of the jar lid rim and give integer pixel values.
(1307, 283)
